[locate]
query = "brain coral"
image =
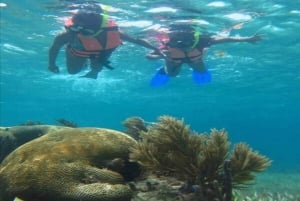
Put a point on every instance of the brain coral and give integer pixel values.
(71, 164)
(13, 137)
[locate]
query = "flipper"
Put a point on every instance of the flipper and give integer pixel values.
(160, 78)
(201, 78)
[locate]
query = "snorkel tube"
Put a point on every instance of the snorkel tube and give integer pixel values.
(196, 37)
(104, 20)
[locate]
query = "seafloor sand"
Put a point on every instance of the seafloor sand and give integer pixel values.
(271, 186)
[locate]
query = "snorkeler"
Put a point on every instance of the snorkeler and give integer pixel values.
(89, 36)
(185, 44)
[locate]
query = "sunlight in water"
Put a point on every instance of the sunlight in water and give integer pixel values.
(2, 5)
(140, 23)
(9, 48)
(239, 16)
(217, 4)
(295, 11)
(161, 9)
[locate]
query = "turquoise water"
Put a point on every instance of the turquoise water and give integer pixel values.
(255, 92)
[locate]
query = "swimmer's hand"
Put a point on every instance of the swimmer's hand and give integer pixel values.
(54, 69)
(161, 53)
(156, 54)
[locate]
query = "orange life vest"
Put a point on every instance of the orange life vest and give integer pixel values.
(92, 47)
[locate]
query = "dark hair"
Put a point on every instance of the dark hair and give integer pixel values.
(88, 20)
(182, 28)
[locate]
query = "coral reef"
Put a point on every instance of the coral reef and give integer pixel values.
(67, 123)
(202, 161)
(275, 188)
(134, 126)
(245, 161)
(74, 164)
(31, 123)
(13, 137)
(71, 164)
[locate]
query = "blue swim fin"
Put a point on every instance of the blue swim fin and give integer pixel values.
(201, 78)
(160, 78)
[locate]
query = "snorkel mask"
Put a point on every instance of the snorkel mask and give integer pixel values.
(183, 36)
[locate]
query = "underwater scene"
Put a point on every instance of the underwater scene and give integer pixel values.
(163, 100)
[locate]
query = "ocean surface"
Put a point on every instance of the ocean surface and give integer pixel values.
(255, 88)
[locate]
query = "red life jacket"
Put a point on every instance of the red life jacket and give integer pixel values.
(90, 46)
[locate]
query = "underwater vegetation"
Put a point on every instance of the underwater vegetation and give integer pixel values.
(162, 160)
(31, 123)
(67, 123)
(60, 122)
(203, 161)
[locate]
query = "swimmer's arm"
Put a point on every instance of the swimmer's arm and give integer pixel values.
(58, 42)
(250, 39)
(141, 42)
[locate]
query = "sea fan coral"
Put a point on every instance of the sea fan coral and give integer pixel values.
(198, 159)
(169, 146)
(245, 161)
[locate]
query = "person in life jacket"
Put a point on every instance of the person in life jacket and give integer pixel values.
(186, 44)
(89, 36)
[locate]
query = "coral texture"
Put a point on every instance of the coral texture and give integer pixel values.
(134, 126)
(13, 137)
(203, 161)
(70, 165)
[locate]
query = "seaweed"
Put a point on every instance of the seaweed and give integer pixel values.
(244, 162)
(67, 123)
(202, 161)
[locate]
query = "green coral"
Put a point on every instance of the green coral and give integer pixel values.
(159, 148)
(245, 161)
(198, 159)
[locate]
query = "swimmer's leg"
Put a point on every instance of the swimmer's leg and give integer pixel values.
(74, 63)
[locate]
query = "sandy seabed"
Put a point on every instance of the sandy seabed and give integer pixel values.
(270, 186)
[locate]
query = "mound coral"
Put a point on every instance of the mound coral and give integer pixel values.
(203, 161)
(134, 126)
(13, 137)
(72, 164)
